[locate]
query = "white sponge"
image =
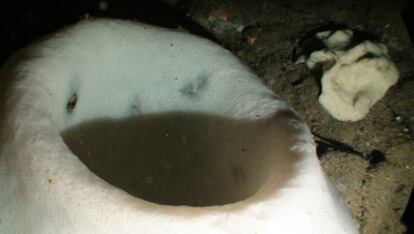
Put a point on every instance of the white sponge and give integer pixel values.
(355, 79)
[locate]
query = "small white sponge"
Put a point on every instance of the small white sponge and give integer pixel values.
(353, 80)
(336, 40)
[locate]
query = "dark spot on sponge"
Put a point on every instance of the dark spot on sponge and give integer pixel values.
(193, 88)
(70, 106)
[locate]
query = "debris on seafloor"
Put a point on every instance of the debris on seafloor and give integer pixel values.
(354, 78)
